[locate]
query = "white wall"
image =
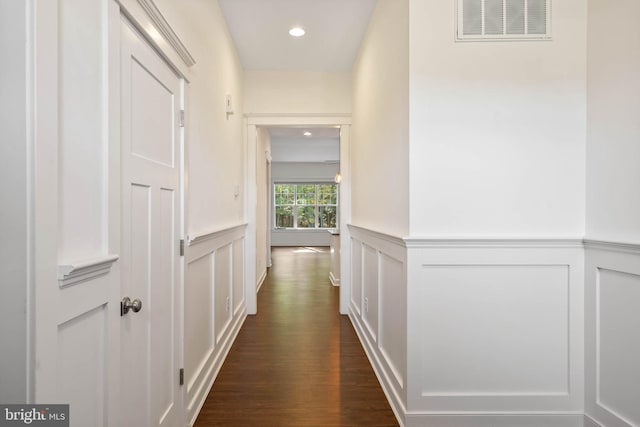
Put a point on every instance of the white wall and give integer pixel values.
(82, 130)
(613, 186)
(214, 140)
(613, 214)
(297, 92)
(214, 277)
(497, 150)
(380, 123)
(497, 128)
(14, 228)
(377, 295)
(490, 137)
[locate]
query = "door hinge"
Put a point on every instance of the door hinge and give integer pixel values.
(181, 118)
(182, 247)
(181, 376)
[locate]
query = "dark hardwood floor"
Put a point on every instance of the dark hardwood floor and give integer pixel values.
(297, 362)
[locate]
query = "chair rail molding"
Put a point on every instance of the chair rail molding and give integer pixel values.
(77, 272)
(493, 242)
(609, 245)
(208, 235)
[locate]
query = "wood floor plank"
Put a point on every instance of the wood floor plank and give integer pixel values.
(297, 362)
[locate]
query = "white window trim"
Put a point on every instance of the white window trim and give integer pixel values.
(460, 37)
(317, 216)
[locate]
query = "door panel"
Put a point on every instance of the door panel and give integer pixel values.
(150, 234)
(151, 102)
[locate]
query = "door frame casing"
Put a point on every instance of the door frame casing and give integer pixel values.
(145, 21)
(252, 122)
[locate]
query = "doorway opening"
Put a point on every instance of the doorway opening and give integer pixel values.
(298, 193)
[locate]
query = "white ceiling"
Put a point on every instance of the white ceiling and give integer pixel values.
(298, 133)
(288, 144)
(260, 30)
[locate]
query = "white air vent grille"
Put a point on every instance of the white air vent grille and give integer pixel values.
(504, 19)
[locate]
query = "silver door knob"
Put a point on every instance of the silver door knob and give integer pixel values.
(126, 304)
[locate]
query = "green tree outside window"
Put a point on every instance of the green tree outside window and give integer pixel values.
(306, 205)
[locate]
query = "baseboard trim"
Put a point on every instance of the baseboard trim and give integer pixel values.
(334, 281)
(497, 420)
(261, 280)
(394, 400)
(213, 370)
(590, 422)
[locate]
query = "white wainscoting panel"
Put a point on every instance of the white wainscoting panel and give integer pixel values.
(238, 275)
(495, 327)
(214, 308)
(198, 318)
(356, 275)
(378, 307)
(498, 317)
(82, 384)
(223, 285)
(613, 333)
(392, 319)
(370, 289)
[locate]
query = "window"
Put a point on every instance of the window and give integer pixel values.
(308, 205)
(503, 19)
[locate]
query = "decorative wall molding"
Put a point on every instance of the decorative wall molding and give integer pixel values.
(209, 370)
(377, 307)
(466, 288)
(335, 281)
(214, 267)
(493, 242)
(611, 287)
(590, 422)
(395, 399)
(167, 32)
(377, 234)
(203, 237)
(631, 248)
(72, 274)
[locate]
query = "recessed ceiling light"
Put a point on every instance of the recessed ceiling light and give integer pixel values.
(307, 133)
(296, 32)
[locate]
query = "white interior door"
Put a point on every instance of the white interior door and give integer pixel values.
(150, 152)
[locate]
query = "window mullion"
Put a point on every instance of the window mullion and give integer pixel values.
(316, 211)
(482, 15)
(526, 16)
(295, 206)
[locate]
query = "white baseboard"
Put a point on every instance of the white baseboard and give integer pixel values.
(263, 276)
(334, 281)
(211, 371)
(590, 422)
(498, 420)
(394, 400)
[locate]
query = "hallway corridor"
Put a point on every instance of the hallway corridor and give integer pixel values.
(297, 362)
